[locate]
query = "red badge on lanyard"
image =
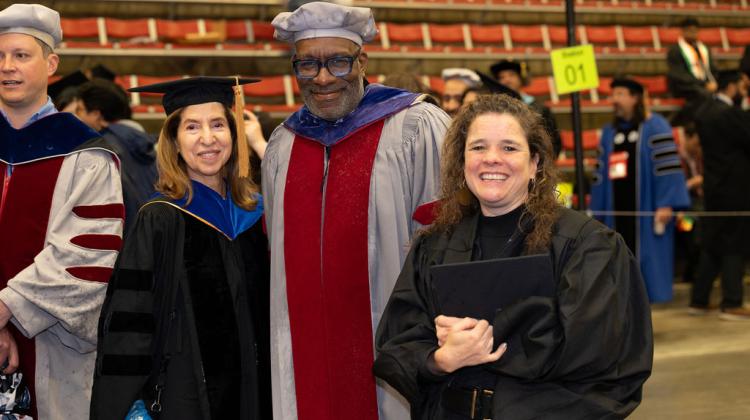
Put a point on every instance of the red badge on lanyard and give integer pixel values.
(618, 165)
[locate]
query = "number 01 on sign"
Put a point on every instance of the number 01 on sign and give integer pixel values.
(574, 69)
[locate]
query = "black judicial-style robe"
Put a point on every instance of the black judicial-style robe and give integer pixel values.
(724, 133)
(218, 337)
(586, 352)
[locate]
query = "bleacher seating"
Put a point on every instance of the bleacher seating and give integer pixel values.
(88, 36)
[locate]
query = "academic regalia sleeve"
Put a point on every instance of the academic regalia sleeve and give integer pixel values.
(423, 131)
(670, 188)
(62, 290)
(406, 337)
(587, 353)
(135, 309)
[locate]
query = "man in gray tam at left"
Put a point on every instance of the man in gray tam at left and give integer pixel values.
(348, 179)
(61, 216)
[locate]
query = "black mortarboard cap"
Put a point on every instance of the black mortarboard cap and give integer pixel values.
(101, 71)
(496, 87)
(689, 21)
(630, 84)
(195, 90)
(506, 65)
(74, 79)
(725, 77)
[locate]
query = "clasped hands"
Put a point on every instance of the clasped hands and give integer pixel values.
(463, 342)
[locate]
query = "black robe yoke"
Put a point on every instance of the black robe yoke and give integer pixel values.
(585, 353)
(215, 291)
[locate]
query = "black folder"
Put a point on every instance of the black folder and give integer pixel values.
(478, 289)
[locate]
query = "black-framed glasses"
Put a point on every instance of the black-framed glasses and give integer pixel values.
(338, 66)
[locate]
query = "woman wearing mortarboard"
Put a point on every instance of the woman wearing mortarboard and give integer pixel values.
(183, 331)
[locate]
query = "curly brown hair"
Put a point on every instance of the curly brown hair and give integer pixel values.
(457, 201)
(174, 181)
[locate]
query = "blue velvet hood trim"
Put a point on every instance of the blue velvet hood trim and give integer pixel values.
(58, 134)
(377, 103)
(222, 214)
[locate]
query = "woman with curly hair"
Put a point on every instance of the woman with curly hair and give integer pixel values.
(582, 351)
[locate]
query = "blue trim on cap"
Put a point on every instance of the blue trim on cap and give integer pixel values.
(378, 102)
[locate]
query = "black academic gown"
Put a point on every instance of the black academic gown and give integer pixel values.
(178, 274)
(724, 133)
(585, 353)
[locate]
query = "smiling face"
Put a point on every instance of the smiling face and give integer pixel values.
(24, 71)
(204, 141)
(498, 164)
(327, 96)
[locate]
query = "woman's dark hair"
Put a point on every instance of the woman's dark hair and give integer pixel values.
(457, 201)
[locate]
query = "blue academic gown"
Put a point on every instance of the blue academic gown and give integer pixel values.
(660, 182)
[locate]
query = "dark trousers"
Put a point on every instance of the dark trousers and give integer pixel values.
(731, 267)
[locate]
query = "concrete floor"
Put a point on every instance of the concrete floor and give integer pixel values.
(701, 364)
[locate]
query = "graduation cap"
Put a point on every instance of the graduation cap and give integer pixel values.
(630, 84)
(204, 89)
(725, 77)
(74, 79)
(516, 66)
(101, 71)
(496, 87)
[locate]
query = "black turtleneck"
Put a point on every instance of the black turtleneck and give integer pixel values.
(495, 235)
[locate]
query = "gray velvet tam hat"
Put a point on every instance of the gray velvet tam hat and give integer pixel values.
(325, 20)
(36, 20)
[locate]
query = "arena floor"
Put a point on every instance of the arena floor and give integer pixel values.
(701, 364)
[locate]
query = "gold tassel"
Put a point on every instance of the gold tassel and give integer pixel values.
(243, 155)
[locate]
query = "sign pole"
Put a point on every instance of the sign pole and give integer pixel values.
(570, 21)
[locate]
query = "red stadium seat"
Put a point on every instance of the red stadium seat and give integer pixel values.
(406, 35)
(669, 36)
(738, 37)
(604, 88)
(128, 28)
(235, 30)
(448, 35)
(262, 31)
(558, 36)
(711, 37)
(487, 36)
(525, 36)
(279, 87)
(602, 36)
(176, 30)
(538, 87)
(589, 139)
(655, 85)
(638, 36)
(80, 28)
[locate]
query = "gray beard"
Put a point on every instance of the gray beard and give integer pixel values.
(347, 105)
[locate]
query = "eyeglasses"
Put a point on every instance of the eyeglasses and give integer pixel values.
(338, 66)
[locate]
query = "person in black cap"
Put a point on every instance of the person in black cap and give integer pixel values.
(724, 132)
(691, 69)
(639, 170)
(513, 75)
(185, 320)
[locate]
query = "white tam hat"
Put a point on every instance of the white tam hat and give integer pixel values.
(36, 20)
(325, 20)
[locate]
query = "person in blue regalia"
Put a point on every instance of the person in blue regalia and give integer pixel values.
(639, 170)
(183, 329)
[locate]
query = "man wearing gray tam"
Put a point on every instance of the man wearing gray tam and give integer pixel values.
(348, 179)
(61, 215)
